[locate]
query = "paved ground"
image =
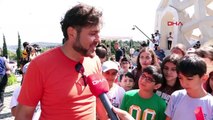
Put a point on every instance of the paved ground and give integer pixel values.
(5, 114)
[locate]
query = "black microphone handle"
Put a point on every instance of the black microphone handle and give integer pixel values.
(108, 106)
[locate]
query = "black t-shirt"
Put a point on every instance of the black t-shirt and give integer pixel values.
(118, 54)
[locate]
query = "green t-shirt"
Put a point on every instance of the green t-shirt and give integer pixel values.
(144, 109)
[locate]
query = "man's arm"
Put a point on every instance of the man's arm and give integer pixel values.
(24, 112)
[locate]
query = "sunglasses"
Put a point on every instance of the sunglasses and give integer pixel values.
(80, 69)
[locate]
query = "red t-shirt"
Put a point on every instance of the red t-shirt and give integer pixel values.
(51, 78)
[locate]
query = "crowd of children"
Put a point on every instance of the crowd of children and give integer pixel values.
(174, 87)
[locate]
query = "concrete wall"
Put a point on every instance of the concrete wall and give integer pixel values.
(176, 11)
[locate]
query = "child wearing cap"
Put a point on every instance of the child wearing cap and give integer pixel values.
(179, 49)
(144, 104)
(115, 93)
(127, 81)
(193, 102)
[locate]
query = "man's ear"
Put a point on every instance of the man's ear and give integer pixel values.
(157, 86)
(71, 32)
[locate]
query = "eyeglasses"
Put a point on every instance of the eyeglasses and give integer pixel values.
(125, 62)
(80, 69)
(147, 79)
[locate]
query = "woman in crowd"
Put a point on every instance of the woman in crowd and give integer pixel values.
(146, 57)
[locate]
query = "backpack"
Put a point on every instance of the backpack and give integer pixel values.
(2, 67)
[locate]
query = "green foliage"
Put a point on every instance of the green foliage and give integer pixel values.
(12, 55)
(11, 80)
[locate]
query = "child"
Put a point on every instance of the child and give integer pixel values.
(185, 104)
(179, 49)
(146, 57)
(144, 104)
(171, 81)
(159, 52)
(127, 81)
(115, 93)
(206, 53)
(125, 66)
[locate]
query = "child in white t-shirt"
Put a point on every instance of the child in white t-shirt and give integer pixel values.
(193, 102)
(115, 93)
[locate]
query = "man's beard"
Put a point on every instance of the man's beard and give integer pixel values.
(77, 46)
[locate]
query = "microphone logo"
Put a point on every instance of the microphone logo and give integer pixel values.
(97, 81)
(97, 84)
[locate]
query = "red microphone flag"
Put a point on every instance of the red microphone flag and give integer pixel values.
(97, 84)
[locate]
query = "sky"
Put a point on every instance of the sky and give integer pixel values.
(39, 20)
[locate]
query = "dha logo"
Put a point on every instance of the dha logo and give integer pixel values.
(171, 23)
(95, 82)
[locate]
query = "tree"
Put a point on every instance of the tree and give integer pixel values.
(18, 51)
(5, 54)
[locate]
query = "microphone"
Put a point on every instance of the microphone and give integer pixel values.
(99, 86)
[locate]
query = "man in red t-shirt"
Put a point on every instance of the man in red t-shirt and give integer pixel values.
(56, 78)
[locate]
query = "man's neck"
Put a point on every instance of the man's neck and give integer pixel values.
(71, 53)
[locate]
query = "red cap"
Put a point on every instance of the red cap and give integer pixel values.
(97, 84)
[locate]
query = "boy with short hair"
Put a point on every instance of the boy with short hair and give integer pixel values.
(127, 81)
(144, 104)
(125, 66)
(193, 102)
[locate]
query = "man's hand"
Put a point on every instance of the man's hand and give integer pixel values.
(123, 115)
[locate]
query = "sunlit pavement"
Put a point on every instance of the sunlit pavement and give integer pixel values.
(5, 114)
